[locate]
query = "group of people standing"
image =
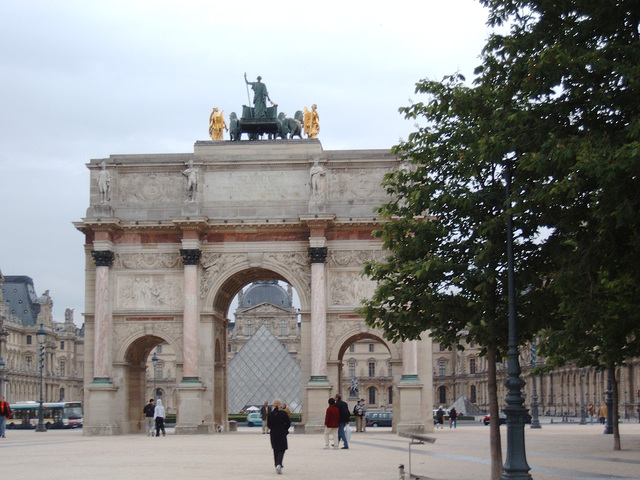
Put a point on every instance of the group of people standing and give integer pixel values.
(336, 422)
(155, 417)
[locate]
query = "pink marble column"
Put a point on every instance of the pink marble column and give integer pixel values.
(190, 258)
(410, 360)
(318, 314)
(102, 316)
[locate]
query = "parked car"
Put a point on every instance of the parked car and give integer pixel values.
(487, 419)
(379, 419)
(254, 419)
(503, 419)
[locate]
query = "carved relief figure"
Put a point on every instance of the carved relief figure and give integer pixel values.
(216, 125)
(311, 121)
(318, 174)
(191, 175)
(104, 181)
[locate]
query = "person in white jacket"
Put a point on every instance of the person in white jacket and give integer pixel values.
(158, 415)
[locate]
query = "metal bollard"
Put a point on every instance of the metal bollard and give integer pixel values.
(401, 472)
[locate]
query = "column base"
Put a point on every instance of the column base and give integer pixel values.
(318, 393)
(191, 417)
(411, 407)
(100, 409)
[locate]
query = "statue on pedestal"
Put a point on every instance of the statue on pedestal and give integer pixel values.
(311, 121)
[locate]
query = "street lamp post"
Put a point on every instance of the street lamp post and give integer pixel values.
(2, 365)
(608, 399)
(515, 466)
(535, 421)
(583, 418)
(41, 335)
(154, 360)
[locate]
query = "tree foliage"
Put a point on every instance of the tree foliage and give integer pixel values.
(557, 94)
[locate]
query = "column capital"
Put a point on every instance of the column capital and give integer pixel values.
(190, 256)
(102, 258)
(318, 254)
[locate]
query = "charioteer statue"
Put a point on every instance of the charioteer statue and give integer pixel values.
(264, 120)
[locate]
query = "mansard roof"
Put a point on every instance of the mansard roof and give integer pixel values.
(20, 296)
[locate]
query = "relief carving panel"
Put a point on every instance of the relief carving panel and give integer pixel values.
(146, 292)
(349, 288)
(146, 261)
(151, 188)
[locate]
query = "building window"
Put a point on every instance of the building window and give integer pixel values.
(158, 372)
(61, 345)
(371, 347)
(473, 394)
(352, 369)
(472, 365)
(372, 395)
(372, 369)
(390, 369)
(249, 327)
(390, 395)
(29, 363)
(28, 339)
(352, 347)
(283, 327)
(442, 349)
(159, 349)
(442, 368)
(63, 368)
(229, 345)
(442, 395)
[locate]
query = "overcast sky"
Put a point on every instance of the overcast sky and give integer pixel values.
(86, 79)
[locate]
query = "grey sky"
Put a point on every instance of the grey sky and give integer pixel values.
(86, 79)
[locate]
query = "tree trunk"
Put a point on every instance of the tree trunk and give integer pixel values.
(494, 410)
(616, 412)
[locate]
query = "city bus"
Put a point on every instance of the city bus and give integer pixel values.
(56, 415)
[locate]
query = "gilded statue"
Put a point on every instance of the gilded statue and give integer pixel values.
(216, 125)
(311, 122)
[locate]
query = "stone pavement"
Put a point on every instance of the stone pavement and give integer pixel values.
(557, 451)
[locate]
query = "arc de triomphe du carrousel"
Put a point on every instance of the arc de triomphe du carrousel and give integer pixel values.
(172, 238)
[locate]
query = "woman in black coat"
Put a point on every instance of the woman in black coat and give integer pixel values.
(278, 423)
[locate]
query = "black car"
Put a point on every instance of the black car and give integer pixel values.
(503, 419)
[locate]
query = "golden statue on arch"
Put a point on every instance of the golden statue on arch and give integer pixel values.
(216, 125)
(311, 121)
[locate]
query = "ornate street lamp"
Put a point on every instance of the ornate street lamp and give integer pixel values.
(515, 466)
(608, 399)
(2, 365)
(583, 417)
(154, 360)
(41, 335)
(535, 422)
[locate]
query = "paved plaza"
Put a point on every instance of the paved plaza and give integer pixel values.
(557, 451)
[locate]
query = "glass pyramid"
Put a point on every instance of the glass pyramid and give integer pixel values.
(261, 371)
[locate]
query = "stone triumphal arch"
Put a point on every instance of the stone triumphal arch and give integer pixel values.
(172, 238)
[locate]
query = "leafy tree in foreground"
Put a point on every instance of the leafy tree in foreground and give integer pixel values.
(573, 66)
(446, 271)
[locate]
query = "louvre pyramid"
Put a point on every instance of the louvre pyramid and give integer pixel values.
(263, 370)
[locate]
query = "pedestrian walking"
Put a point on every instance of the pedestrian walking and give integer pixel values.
(5, 414)
(331, 424)
(453, 418)
(278, 423)
(148, 411)
(158, 415)
(265, 410)
(344, 419)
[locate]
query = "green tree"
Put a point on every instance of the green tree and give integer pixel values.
(446, 270)
(573, 69)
